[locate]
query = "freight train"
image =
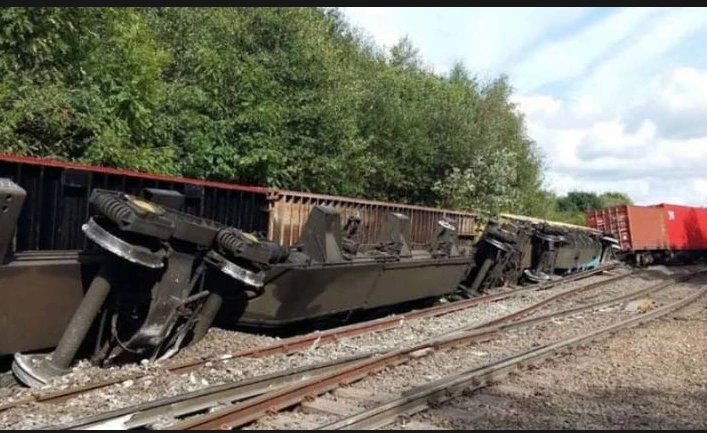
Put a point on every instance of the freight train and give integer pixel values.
(121, 266)
(662, 233)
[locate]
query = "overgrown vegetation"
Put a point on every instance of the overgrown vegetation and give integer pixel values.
(283, 97)
(572, 208)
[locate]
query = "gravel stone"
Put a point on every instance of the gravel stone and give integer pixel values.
(218, 343)
(422, 371)
(650, 377)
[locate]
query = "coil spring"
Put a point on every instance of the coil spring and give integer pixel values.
(230, 240)
(264, 251)
(113, 208)
(501, 235)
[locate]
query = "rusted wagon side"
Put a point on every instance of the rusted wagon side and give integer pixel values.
(289, 211)
(637, 228)
(660, 233)
(57, 204)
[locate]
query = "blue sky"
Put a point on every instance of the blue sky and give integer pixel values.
(616, 98)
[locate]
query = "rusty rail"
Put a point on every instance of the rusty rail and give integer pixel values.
(294, 344)
(447, 388)
(250, 410)
(502, 325)
(293, 386)
(182, 405)
(143, 414)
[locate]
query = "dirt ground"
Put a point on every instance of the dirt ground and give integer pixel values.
(650, 377)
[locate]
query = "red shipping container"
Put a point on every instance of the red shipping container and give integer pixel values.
(636, 227)
(686, 226)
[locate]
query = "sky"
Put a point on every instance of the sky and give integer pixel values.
(615, 98)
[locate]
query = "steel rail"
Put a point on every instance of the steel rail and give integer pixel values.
(250, 410)
(501, 325)
(143, 414)
(297, 343)
(477, 378)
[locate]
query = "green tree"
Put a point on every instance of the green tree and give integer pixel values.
(573, 207)
(608, 199)
(293, 98)
(81, 84)
(579, 201)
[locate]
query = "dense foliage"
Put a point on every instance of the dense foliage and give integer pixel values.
(284, 97)
(574, 206)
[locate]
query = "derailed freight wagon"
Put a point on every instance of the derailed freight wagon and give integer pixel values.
(47, 254)
(71, 235)
(52, 251)
(159, 277)
(516, 249)
(662, 233)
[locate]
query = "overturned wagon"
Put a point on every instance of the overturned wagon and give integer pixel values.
(516, 249)
(156, 278)
(122, 265)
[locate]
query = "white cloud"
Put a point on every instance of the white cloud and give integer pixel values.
(379, 21)
(494, 36)
(677, 101)
(609, 139)
(556, 112)
(614, 82)
(608, 155)
(440, 69)
(538, 106)
(570, 57)
(485, 39)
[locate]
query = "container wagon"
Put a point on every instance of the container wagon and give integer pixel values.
(662, 233)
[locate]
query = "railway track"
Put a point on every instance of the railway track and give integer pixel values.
(307, 392)
(320, 377)
(473, 379)
(318, 338)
